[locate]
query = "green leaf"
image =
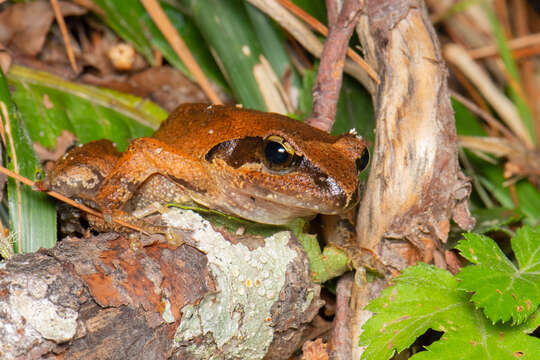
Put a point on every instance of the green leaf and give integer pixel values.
(228, 31)
(467, 123)
(355, 110)
(529, 202)
(270, 39)
(426, 297)
(316, 8)
(52, 104)
(130, 21)
(32, 214)
(501, 289)
(494, 219)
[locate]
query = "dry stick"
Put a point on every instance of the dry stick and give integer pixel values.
(67, 200)
(90, 5)
(323, 30)
(484, 115)
(458, 56)
(65, 35)
(330, 74)
(341, 331)
(527, 73)
(306, 38)
(332, 10)
(514, 44)
(167, 29)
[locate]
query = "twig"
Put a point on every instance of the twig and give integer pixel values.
(67, 200)
(90, 5)
(484, 115)
(458, 56)
(514, 44)
(341, 331)
(65, 35)
(527, 73)
(306, 38)
(323, 30)
(332, 10)
(167, 29)
(330, 74)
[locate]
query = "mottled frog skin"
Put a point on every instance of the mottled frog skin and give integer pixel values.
(259, 166)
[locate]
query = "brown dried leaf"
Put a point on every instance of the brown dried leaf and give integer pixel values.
(24, 26)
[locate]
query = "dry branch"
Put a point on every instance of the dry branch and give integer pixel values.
(110, 297)
(415, 186)
(330, 74)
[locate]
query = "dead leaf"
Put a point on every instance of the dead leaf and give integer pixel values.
(63, 142)
(24, 26)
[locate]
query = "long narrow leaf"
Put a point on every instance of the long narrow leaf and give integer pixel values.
(32, 214)
(228, 31)
(511, 67)
(51, 104)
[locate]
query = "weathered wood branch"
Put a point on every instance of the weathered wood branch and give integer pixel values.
(109, 297)
(415, 186)
(330, 73)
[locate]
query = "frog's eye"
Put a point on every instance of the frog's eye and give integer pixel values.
(277, 153)
(363, 161)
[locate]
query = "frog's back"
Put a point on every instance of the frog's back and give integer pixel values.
(197, 128)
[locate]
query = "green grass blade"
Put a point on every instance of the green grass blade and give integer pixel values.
(32, 214)
(230, 34)
(511, 67)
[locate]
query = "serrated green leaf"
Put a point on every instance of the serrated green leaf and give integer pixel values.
(51, 104)
(426, 297)
(32, 214)
(483, 341)
(501, 289)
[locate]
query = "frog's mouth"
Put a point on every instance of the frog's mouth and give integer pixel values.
(268, 203)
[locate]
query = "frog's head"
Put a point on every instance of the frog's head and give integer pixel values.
(272, 169)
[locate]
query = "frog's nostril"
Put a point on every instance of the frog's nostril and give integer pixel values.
(363, 161)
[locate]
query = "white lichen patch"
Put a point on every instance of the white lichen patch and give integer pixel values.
(248, 282)
(51, 321)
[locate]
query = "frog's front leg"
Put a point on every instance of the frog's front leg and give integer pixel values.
(144, 158)
(81, 171)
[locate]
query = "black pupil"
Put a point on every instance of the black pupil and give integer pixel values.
(363, 161)
(276, 153)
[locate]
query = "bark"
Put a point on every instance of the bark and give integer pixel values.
(415, 186)
(330, 73)
(218, 294)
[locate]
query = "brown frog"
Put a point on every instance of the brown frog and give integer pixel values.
(260, 166)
